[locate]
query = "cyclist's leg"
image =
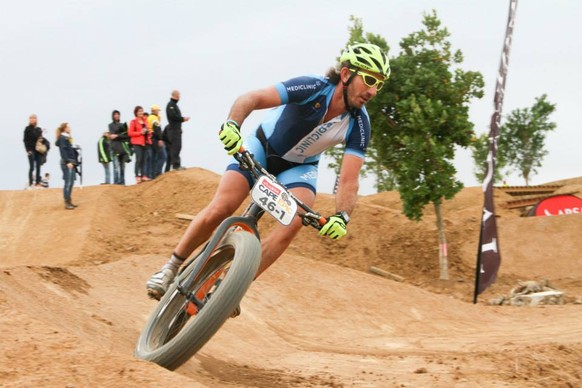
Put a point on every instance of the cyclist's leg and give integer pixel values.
(281, 236)
(301, 181)
(231, 192)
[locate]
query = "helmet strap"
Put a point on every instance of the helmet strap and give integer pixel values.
(345, 84)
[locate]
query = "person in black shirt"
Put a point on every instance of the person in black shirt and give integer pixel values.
(174, 130)
(31, 134)
(120, 151)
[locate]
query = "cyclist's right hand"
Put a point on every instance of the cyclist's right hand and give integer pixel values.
(230, 136)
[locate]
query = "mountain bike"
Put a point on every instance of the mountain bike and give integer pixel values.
(211, 285)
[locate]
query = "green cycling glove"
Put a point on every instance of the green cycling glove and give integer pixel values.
(230, 136)
(334, 228)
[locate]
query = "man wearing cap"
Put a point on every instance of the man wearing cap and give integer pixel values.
(175, 120)
(158, 143)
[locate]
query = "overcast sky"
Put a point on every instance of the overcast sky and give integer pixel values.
(76, 61)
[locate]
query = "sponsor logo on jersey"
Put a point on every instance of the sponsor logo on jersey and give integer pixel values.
(313, 137)
(362, 132)
(295, 88)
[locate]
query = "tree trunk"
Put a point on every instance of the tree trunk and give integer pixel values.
(443, 258)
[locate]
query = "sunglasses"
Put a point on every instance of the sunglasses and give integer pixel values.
(369, 80)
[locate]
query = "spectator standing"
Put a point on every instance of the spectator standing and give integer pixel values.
(69, 162)
(138, 137)
(104, 155)
(32, 133)
(174, 132)
(120, 152)
(148, 151)
(158, 144)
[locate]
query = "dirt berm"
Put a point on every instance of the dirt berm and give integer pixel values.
(72, 296)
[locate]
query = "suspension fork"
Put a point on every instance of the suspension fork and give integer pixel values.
(247, 222)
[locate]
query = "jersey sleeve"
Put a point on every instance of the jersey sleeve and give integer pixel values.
(359, 135)
(300, 89)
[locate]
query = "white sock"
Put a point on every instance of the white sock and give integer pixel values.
(174, 263)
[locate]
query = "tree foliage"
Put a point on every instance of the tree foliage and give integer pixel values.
(523, 136)
(419, 118)
(423, 115)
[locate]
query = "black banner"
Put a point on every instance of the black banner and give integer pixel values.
(488, 256)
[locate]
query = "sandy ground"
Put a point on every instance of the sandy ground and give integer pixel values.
(72, 296)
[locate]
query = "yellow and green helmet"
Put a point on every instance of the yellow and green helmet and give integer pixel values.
(367, 56)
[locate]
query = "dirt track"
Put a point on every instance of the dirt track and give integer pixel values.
(72, 298)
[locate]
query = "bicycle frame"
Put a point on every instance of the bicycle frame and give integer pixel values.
(247, 221)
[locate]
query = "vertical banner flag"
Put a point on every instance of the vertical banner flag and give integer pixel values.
(488, 257)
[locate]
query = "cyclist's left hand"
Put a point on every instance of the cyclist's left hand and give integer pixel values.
(334, 228)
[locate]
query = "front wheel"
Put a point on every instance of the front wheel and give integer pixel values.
(178, 328)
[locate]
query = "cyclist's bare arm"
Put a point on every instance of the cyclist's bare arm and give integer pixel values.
(347, 194)
(257, 99)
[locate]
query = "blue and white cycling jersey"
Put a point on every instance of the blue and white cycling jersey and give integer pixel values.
(295, 130)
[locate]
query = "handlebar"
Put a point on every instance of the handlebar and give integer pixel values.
(248, 162)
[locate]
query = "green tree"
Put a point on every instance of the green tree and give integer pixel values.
(523, 136)
(419, 118)
(427, 110)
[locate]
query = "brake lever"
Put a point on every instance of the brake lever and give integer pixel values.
(312, 219)
(245, 160)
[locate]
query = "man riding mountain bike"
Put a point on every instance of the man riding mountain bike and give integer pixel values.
(313, 113)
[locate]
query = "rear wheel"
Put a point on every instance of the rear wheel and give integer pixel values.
(178, 328)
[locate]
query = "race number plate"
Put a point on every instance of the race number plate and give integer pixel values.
(274, 199)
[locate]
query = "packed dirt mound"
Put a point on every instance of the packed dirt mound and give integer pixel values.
(72, 297)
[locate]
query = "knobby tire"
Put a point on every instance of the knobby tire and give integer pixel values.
(170, 336)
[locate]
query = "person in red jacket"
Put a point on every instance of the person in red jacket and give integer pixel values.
(140, 138)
